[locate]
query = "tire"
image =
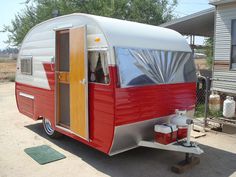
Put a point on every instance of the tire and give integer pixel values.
(47, 126)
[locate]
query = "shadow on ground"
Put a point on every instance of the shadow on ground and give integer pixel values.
(146, 162)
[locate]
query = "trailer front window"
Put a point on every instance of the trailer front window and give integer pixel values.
(149, 66)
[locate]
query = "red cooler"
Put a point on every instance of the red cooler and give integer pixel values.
(165, 134)
(182, 132)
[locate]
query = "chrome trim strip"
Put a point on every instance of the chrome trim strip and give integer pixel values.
(71, 132)
(98, 49)
(63, 27)
(86, 85)
(26, 95)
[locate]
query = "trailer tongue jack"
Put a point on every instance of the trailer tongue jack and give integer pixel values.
(188, 163)
(190, 160)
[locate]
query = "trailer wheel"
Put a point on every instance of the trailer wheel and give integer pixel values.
(49, 130)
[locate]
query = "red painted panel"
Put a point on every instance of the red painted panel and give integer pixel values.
(49, 69)
(43, 101)
(147, 102)
(27, 106)
(101, 115)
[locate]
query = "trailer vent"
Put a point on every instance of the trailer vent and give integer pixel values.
(26, 65)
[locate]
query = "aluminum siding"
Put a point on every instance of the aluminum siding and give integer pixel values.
(224, 78)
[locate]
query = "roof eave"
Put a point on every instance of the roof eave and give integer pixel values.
(219, 2)
(188, 17)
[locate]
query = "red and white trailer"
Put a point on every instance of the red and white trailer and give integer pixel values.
(105, 82)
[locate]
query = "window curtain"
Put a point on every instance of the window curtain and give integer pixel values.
(159, 66)
(104, 63)
(94, 56)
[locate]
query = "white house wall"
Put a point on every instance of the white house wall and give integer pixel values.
(224, 77)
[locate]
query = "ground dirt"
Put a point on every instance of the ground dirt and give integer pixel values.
(7, 70)
(19, 132)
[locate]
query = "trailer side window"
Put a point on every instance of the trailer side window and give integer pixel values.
(98, 67)
(26, 65)
(139, 67)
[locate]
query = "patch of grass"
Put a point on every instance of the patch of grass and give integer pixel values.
(11, 78)
(4, 77)
(3, 60)
(7, 70)
(209, 62)
(7, 60)
(215, 114)
(199, 111)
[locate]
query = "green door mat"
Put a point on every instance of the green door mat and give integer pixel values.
(44, 154)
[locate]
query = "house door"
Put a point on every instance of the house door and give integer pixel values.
(72, 85)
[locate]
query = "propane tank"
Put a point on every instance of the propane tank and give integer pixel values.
(229, 107)
(214, 102)
(179, 118)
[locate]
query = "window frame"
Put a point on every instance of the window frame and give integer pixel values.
(232, 45)
(107, 55)
(30, 58)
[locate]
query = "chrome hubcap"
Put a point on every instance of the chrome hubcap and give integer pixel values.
(48, 127)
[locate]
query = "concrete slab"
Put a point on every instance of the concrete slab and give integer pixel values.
(196, 134)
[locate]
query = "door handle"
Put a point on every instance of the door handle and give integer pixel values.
(83, 81)
(59, 76)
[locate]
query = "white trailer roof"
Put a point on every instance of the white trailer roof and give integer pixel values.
(121, 33)
(124, 33)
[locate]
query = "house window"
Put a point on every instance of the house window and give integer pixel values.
(233, 45)
(98, 67)
(26, 65)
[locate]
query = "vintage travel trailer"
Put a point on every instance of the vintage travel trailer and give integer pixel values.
(106, 82)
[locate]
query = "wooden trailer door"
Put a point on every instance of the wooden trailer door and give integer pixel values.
(78, 82)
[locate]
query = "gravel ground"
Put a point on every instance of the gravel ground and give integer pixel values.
(19, 132)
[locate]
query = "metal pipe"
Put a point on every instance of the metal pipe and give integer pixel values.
(207, 80)
(189, 122)
(206, 102)
(188, 135)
